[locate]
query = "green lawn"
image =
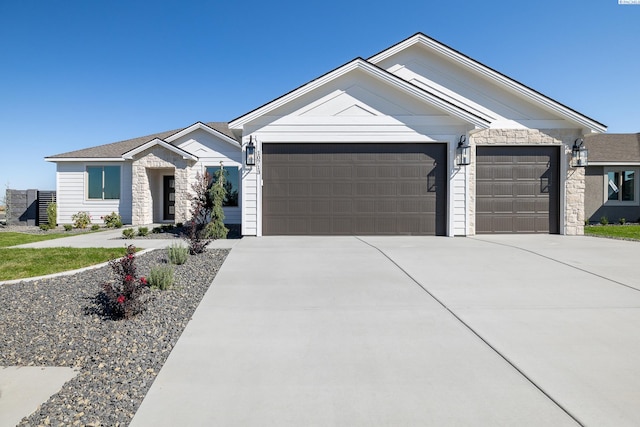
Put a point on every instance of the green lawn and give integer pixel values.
(614, 231)
(20, 263)
(12, 239)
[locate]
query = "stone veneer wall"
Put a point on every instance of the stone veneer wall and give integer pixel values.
(574, 183)
(158, 158)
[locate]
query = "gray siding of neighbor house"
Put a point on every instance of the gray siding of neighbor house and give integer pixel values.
(594, 208)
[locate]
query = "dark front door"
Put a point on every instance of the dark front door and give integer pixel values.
(169, 198)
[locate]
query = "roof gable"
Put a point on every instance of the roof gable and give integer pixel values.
(485, 72)
(381, 76)
(201, 126)
(158, 142)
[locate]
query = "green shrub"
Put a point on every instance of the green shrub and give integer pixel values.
(622, 221)
(128, 233)
(68, 227)
(177, 254)
(143, 231)
(95, 227)
(161, 277)
(167, 227)
(52, 214)
(156, 230)
(44, 227)
(604, 220)
(81, 219)
(179, 225)
(113, 220)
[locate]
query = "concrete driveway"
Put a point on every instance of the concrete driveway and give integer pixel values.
(500, 330)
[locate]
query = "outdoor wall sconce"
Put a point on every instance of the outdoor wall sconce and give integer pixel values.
(579, 154)
(463, 152)
(250, 153)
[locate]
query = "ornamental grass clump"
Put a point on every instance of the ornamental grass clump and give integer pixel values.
(127, 294)
(177, 254)
(128, 233)
(161, 277)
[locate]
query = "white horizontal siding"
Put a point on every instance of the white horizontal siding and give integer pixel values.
(71, 193)
(459, 211)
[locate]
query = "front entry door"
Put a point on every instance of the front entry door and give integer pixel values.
(169, 198)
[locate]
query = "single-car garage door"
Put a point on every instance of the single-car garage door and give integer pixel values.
(517, 190)
(346, 189)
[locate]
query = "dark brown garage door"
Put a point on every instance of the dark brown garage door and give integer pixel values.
(517, 190)
(346, 189)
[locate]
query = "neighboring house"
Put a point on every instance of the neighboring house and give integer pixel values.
(368, 148)
(612, 189)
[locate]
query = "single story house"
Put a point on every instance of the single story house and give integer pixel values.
(417, 139)
(611, 182)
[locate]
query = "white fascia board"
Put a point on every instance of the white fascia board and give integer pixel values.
(492, 75)
(376, 72)
(613, 163)
(84, 159)
(204, 127)
(157, 141)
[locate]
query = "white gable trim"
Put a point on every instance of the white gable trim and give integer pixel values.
(378, 73)
(493, 75)
(204, 127)
(157, 141)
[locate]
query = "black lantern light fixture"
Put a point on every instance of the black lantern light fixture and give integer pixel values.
(579, 154)
(250, 159)
(463, 152)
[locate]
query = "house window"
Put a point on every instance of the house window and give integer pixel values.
(232, 183)
(103, 182)
(621, 186)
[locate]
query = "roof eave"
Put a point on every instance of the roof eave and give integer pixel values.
(84, 159)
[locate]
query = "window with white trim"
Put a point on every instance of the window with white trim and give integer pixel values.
(103, 182)
(621, 186)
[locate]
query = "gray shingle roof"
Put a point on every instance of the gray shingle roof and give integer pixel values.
(613, 147)
(117, 149)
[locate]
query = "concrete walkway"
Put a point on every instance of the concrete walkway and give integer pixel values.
(113, 239)
(500, 330)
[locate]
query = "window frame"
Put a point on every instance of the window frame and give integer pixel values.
(239, 181)
(636, 184)
(87, 183)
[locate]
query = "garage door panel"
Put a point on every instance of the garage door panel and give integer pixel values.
(297, 189)
(517, 189)
(342, 207)
(355, 189)
(342, 189)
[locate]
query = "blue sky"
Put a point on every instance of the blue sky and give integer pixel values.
(78, 73)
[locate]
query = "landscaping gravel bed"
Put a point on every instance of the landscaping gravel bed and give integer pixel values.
(60, 322)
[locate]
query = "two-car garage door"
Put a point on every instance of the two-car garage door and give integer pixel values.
(347, 189)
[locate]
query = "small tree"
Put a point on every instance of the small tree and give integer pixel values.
(52, 214)
(215, 229)
(200, 212)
